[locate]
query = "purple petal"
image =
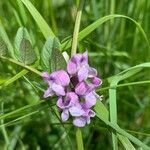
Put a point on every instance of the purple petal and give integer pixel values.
(79, 121)
(65, 115)
(85, 55)
(45, 75)
(73, 97)
(96, 81)
(72, 67)
(48, 93)
(91, 113)
(77, 58)
(92, 72)
(63, 77)
(76, 111)
(90, 100)
(83, 73)
(81, 88)
(58, 89)
(60, 103)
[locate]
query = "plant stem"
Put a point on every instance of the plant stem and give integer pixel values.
(76, 28)
(79, 139)
(22, 65)
(80, 4)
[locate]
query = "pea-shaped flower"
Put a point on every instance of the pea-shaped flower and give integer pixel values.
(78, 66)
(87, 92)
(75, 89)
(84, 119)
(57, 82)
(70, 105)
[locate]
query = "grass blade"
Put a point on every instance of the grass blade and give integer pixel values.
(85, 32)
(117, 128)
(44, 27)
(125, 142)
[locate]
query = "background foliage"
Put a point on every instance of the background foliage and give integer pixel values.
(116, 44)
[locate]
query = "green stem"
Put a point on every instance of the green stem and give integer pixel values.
(22, 65)
(79, 139)
(76, 28)
(113, 112)
(73, 51)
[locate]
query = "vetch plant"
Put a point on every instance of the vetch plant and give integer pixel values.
(73, 84)
(75, 88)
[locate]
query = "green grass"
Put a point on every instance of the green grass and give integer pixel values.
(116, 35)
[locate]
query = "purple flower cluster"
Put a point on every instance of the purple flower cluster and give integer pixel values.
(75, 89)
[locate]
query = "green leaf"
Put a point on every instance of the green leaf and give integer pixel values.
(51, 57)
(46, 53)
(6, 39)
(102, 110)
(3, 47)
(22, 33)
(57, 60)
(46, 30)
(24, 51)
(27, 53)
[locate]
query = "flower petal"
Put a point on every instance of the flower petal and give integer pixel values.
(76, 111)
(45, 75)
(65, 115)
(81, 88)
(80, 121)
(90, 100)
(96, 81)
(48, 93)
(83, 73)
(91, 113)
(73, 97)
(72, 67)
(85, 56)
(92, 72)
(77, 58)
(58, 89)
(60, 77)
(63, 77)
(60, 103)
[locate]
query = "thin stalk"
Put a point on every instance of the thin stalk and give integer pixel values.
(79, 139)
(76, 28)
(113, 112)
(22, 65)
(73, 51)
